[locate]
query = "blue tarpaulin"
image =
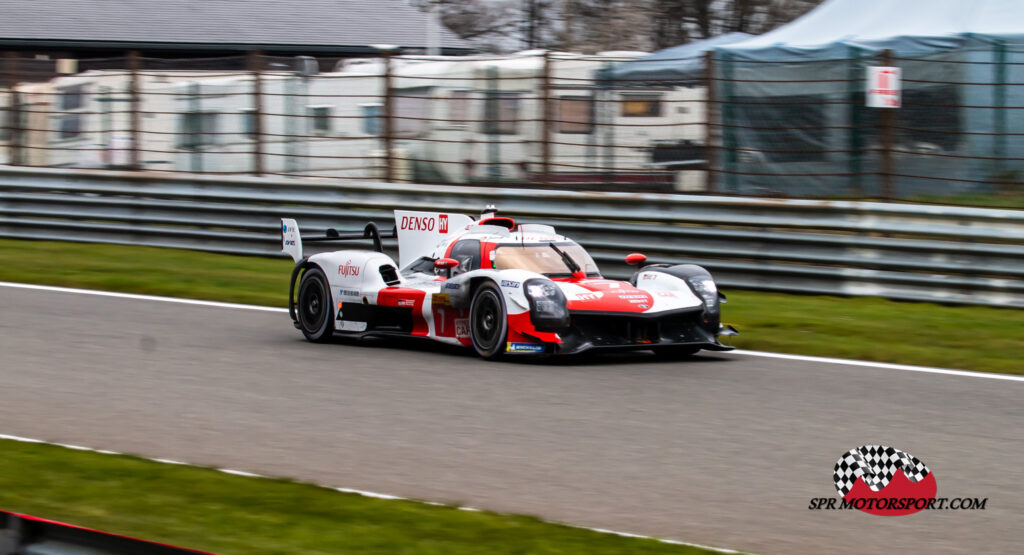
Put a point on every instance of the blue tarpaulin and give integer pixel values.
(678, 63)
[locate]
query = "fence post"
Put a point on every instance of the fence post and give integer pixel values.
(14, 134)
(710, 113)
(136, 122)
(492, 113)
(388, 107)
(545, 133)
(999, 125)
(855, 72)
(256, 67)
(728, 126)
(886, 123)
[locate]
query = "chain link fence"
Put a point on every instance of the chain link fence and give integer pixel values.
(535, 119)
(803, 128)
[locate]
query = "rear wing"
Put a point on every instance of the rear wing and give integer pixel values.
(419, 233)
(291, 240)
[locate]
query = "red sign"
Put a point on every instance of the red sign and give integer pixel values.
(883, 87)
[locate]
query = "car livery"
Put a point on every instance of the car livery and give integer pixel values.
(500, 287)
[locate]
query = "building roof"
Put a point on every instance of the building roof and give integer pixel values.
(222, 24)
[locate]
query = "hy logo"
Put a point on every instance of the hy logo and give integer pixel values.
(877, 472)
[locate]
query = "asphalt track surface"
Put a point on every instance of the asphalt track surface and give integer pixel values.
(723, 449)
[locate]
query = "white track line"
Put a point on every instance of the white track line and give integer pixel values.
(141, 297)
(372, 494)
(884, 365)
(822, 360)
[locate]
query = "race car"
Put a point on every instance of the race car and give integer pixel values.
(498, 286)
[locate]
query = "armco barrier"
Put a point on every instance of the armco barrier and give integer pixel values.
(911, 252)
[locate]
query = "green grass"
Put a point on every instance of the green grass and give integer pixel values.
(208, 510)
(968, 337)
(867, 328)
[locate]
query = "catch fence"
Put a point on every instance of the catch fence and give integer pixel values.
(536, 119)
(802, 128)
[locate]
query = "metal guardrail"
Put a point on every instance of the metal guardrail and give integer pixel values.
(910, 252)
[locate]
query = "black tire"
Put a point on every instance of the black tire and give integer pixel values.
(314, 309)
(488, 322)
(676, 352)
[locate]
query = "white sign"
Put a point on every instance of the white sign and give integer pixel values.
(883, 87)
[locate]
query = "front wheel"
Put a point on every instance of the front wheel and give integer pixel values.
(314, 307)
(488, 322)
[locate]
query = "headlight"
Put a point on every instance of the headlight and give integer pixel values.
(547, 304)
(706, 289)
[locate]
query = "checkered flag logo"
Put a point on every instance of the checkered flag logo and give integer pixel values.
(876, 464)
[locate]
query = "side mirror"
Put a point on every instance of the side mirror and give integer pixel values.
(636, 259)
(446, 264)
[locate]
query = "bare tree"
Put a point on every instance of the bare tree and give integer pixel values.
(595, 25)
(486, 24)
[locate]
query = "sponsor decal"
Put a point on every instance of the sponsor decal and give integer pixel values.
(452, 286)
(664, 293)
(420, 223)
(510, 284)
(644, 306)
(406, 302)
(886, 481)
(442, 223)
(462, 328)
(649, 276)
(525, 348)
(348, 293)
(614, 285)
(637, 301)
(284, 228)
(347, 269)
(440, 299)
(348, 325)
(621, 296)
(289, 243)
(589, 296)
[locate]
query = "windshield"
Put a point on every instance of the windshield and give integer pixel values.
(541, 258)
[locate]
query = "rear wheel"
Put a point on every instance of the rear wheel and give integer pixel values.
(488, 322)
(314, 307)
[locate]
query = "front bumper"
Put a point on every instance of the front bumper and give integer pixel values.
(592, 330)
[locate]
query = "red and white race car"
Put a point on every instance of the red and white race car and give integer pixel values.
(500, 287)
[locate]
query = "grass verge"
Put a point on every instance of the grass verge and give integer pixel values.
(233, 514)
(969, 337)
